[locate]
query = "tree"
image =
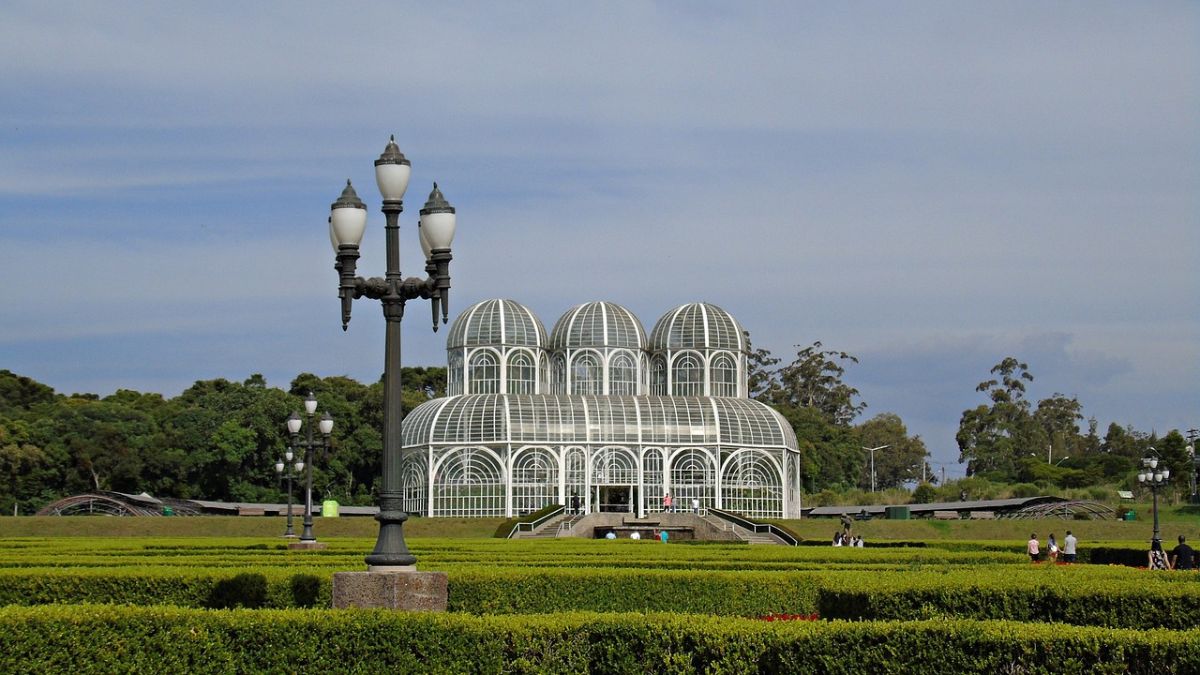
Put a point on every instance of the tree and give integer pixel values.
(991, 439)
(904, 458)
(1058, 418)
(814, 380)
(762, 380)
(17, 458)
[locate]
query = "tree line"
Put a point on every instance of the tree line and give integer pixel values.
(218, 440)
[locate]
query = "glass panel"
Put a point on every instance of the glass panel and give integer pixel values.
(658, 376)
(687, 375)
(751, 485)
(586, 377)
(454, 373)
(622, 375)
(534, 480)
(521, 374)
(724, 376)
(692, 477)
(469, 483)
(485, 374)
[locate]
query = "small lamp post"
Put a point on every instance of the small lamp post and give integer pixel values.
(347, 222)
(285, 467)
(1154, 477)
(1192, 435)
(307, 444)
(872, 451)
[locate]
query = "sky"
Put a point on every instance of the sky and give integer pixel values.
(930, 186)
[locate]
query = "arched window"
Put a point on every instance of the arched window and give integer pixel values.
(485, 374)
(558, 375)
(586, 376)
(522, 376)
(751, 484)
(658, 376)
(454, 374)
(693, 476)
(724, 376)
(622, 375)
(688, 376)
(469, 483)
(534, 480)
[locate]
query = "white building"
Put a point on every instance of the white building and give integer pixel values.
(597, 409)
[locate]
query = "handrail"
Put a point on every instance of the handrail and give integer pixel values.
(757, 528)
(532, 525)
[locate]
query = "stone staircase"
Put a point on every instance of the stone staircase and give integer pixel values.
(551, 528)
(741, 533)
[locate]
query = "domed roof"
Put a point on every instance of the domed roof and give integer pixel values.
(511, 418)
(598, 324)
(698, 325)
(496, 323)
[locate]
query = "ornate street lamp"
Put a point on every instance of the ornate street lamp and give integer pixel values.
(325, 425)
(281, 466)
(1154, 477)
(347, 221)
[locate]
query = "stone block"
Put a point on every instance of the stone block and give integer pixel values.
(307, 546)
(405, 591)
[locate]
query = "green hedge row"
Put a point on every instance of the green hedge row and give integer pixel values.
(183, 587)
(1081, 596)
(90, 639)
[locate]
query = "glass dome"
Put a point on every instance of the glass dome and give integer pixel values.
(598, 324)
(490, 419)
(495, 323)
(698, 325)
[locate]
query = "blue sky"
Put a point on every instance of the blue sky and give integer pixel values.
(930, 186)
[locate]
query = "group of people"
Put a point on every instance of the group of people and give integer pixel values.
(844, 539)
(1053, 553)
(1183, 557)
(668, 503)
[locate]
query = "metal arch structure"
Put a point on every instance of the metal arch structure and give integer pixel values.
(1066, 510)
(103, 504)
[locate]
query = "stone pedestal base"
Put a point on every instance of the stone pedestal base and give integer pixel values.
(307, 546)
(406, 591)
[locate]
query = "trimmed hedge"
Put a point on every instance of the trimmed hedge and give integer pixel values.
(90, 639)
(1101, 596)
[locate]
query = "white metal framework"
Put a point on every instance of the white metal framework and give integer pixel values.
(600, 411)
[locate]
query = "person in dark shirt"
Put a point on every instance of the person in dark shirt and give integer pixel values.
(1183, 557)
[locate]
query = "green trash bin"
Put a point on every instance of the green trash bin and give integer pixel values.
(329, 509)
(1130, 515)
(896, 512)
(168, 511)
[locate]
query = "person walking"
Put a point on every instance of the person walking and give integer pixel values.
(1052, 549)
(1032, 547)
(575, 503)
(1069, 545)
(666, 502)
(1183, 557)
(1158, 557)
(696, 505)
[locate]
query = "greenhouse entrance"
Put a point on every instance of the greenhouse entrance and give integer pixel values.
(615, 498)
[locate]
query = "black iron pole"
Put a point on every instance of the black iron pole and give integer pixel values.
(1154, 491)
(290, 532)
(391, 551)
(307, 534)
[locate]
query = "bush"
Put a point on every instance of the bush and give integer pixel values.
(81, 640)
(242, 590)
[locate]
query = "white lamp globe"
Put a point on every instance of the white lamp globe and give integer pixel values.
(347, 218)
(392, 171)
(299, 466)
(310, 403)
(294, 423)
(438, 221)
(326, 424)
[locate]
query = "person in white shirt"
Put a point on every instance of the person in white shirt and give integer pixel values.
(1069, 545)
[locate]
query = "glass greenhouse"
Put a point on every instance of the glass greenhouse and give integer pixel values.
(597, 409)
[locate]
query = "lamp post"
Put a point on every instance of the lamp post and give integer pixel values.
(1154, 477)
(1192, 435)
(307, 444)
(347, 221)
(872, 451)
(280, 467)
